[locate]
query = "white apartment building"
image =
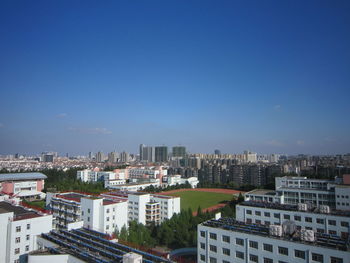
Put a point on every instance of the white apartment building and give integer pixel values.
(95, 176)
(176, 179)
(295, 190)
(146, 208)
(66, 208)
(226, 241)
(318, 219)
(104, 215)
(19, 228)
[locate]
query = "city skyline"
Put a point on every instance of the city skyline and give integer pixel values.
(271, 76)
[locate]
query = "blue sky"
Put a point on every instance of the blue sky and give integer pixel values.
(269, 76)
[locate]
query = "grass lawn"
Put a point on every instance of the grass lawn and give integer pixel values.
(40, 203)
(193, 199)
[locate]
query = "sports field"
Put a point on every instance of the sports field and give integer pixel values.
(194, 199)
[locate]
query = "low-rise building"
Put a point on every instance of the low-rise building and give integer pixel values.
(19, 228)
(23, 185)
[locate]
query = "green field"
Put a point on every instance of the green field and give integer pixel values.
(193, 199)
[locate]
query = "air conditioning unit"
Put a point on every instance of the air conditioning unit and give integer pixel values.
(275, 230)
(302, 207)
(307, 235)
(325, 209)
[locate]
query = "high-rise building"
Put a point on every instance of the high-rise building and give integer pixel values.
(161, 154)
(100, 157)
(112, 157)
(179, 151)
(147, 153)
(124, 157)
(217, 152)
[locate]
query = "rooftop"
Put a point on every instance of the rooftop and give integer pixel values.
(22, 176)
(90, 246)
(19, 211)
(287, 207)
(72, 196)
(262, 192)
(323, 240)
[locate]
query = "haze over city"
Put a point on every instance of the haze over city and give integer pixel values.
(269, 76)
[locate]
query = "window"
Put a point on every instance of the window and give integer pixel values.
(308, 219)
(225, 261)
(202, 233)
(257, 221)
(253, 258)
(249, 220)
(336, 260)
(27, 248)
(345, 224)
(212, 260)
(332, 232)
(239, 254)
(82, 213)
(212, 248)
(28, 226)
(286, 217)
(267, 223)
(299, 254)
(88, 219)
(253, 244)
(317, 257)
(239, 241)
(226, 239)
(212, 236)
(249, 212)
(319, 230)
(202, 245)
(268, 247)
(268, 260)
(283, 251)
(18, 229)
(267, 214)
(107, 219)
(297, 218)
(107, 227)
(27, 237)
(17, 240)
(332, 222)
(107, 210)
(257, 213)
(276, 215)
(16, 261)
(226, 251)
(319, 221)
(202, 257)
(89, 210)
(16, 250)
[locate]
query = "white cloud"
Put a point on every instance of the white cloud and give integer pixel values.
(90, 130)
(277, 107)
(275, 143)
(62, 115)
(300, 142)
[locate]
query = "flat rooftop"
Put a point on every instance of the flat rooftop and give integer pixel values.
(287, 207)
(91, 246)
(22, 176)
(19, 211)
(262, 192)
(323, 240)
(72, 196)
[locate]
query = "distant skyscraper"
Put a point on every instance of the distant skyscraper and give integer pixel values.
(124, 157)
(218, 152)
(161, 153)
(112, 157)
(179, 151)
(147, 153)
(91, 155)
(100, 157)
(48, 157)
